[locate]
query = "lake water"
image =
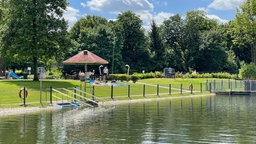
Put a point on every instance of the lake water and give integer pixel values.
(213, 119)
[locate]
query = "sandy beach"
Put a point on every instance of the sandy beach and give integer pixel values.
(26, 110)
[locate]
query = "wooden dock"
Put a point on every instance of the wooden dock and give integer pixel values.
(234, 93)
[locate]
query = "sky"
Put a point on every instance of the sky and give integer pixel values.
(147, 10)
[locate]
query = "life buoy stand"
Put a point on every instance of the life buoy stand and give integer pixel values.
(191, 87)
(21, 93)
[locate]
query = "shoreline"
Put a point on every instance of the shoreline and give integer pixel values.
(30, 110)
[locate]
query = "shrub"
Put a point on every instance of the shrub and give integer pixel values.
(134, 78)
(247, 71)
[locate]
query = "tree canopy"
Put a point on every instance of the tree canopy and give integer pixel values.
(35, 32)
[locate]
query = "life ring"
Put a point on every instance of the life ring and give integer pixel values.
(21, 93)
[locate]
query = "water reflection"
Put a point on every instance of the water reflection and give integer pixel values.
(214, 119)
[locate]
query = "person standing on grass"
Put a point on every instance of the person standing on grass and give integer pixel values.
(105, 74)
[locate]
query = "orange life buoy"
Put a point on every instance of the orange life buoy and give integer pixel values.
(21, 93)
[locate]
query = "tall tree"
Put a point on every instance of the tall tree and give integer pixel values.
(173, 33)
(211, 54)
(196, 22)
(134, 50)
(36, 31)
(157, 48)
(245, 26)
(96, 34)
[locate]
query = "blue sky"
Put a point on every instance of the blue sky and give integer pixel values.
(222, 10)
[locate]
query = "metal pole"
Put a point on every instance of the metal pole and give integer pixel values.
(50, 94)
(129, 88)
(144, 88)
(191, 88)
(75, 94)
(93, 93)
(180, 88)
(24, 96)
(113, 58)
(201, 87)
(112, 92)
(41, 91)
(170, 89)
(157, 90)
(84, 88)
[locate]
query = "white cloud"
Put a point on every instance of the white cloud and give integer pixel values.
(147, 18)
(220, 20)
(225, 4)
(117, 6)
(160, 17)
(71, 15)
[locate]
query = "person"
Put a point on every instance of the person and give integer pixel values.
(105, 74)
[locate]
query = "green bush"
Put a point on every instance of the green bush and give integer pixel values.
(134, 78)
(247, 71)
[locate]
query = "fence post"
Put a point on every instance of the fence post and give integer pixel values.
(75, 94)
(191, 88)
(129, 88)
(144, 89)
(157, 90)
(207, 83)
(201, 87)
(214, 85)
(210, 86)
(170, 89)
(180, 88)
(112, 89)
(222, 88)
(93, 98)
(50, 94)
(229, 83)
(85, 88)
(24, 96)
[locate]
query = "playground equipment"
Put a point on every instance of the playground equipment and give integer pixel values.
(12, 74)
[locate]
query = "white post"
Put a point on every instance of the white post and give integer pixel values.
(128, 68)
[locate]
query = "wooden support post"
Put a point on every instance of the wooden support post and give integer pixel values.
(112, 92)
(180, 88)
(50, 94)
(144, 90)
(129, 88)
(170, 89)
(157, 90)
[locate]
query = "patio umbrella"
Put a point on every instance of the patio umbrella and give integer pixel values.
(86, 57)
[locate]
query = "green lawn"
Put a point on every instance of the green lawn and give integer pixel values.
(9, 92)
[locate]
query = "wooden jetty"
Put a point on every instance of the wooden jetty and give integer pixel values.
(235, 92)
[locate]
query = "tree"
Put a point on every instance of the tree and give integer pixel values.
(245, 26)
(134, 49)
(211, 54)
(157, 48)
(96, 34)
(173, 34)
(36, 31)
(196, 22)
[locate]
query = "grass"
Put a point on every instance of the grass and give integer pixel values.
(9, 92)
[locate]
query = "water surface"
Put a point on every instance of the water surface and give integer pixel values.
(214, 119)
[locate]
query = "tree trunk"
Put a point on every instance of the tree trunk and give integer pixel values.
(34, 40)
(253, 47)
(35, 69)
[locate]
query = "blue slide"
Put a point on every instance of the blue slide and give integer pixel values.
(12, 74)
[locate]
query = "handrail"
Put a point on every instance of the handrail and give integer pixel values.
(90, 94)
(71, 97)
(80, 96)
